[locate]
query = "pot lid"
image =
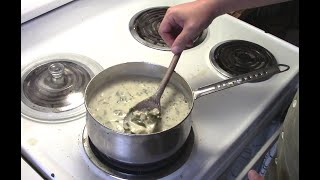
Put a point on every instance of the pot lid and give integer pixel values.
(56, 88)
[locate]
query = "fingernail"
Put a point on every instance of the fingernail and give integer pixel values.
(176, 49)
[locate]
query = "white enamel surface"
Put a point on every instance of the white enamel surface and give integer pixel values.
(99, 30)
(33, 8)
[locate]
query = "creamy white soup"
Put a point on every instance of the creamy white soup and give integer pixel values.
(112, 103)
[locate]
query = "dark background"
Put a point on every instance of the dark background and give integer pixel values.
(281, 20)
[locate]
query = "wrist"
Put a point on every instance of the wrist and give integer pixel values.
(214, 8)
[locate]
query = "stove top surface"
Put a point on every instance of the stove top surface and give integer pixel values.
(222, 122)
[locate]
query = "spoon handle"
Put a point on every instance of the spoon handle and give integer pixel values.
(167, 76)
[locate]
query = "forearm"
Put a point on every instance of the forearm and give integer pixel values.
(219, 7)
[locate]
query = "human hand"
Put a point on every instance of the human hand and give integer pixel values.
(253, 175)
(183, 23)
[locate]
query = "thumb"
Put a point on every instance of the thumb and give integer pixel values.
(181, 41)
(253, 175)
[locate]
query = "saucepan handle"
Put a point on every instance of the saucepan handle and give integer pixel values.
(241, 79)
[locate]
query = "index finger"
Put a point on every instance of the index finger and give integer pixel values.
(166, 30)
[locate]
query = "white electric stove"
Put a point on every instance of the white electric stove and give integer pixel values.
(95, 35)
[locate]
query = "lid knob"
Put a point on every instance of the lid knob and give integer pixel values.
(56, 70)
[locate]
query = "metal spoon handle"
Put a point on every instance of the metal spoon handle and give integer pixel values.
(167, 76)
(241, 79)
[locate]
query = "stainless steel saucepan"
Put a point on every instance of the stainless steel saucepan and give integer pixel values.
(141, 149)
